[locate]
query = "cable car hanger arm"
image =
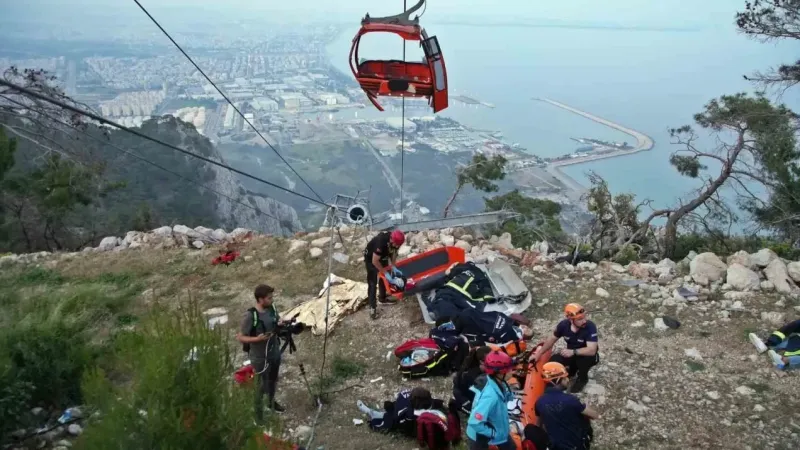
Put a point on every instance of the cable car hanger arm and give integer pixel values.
(399, 19)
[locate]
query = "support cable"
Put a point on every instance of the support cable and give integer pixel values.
(228, 100)
(147, 161)
(403, 137)
(103, 120)
(329, 281)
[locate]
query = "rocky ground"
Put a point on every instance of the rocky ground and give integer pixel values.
(700, 385)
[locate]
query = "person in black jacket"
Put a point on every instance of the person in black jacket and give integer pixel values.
(398, 416)
(786, 340)
(380, 255)
(489, 327)
(465, 378)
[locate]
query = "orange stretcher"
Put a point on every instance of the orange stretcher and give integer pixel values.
(424, 268)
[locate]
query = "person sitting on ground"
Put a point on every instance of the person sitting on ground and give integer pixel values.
(563, 416)
(785, 340)
(488, 422)
(399, 416)
(581, 353)
(465, 378)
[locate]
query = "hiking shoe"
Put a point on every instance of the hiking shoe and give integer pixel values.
(373, 314)
(387, 301)
(776, 359)
(578, 385)
(760, 346)
(277, 408)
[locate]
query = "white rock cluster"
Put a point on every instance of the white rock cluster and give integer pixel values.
(162, 237)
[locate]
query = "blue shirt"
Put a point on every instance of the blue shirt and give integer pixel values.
(587, 333)
(561, 415)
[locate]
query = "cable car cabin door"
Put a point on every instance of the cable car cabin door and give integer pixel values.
(433, 55)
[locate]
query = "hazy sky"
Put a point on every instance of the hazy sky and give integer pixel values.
(664, 13)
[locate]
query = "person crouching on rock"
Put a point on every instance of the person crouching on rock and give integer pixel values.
(380, 255)
(563, 416)
(581, 353)
(488, 422)
(785, 340)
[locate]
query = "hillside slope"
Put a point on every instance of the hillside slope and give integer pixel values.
(698, 386)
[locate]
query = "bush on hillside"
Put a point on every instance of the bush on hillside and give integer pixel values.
(161, 397)
(726, 245)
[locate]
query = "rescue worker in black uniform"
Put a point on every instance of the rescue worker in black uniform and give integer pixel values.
(380, 255)
(466, 287)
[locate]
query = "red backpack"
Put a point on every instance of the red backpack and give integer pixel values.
(435, 433)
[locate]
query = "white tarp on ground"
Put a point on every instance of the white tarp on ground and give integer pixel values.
(347, 296)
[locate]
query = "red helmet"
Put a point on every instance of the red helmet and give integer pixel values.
(410, 284)
(397, 238)
(497, 362)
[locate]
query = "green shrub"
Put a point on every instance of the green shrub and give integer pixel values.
(159, 399)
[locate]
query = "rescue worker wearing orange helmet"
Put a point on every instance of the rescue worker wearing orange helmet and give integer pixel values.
(563, 416)
(380, 255)
(488, 422)
(581, 353)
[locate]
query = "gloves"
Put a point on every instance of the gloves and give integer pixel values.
(389, 277)
(396, 272)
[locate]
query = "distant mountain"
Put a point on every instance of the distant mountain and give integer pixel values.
(146, 196)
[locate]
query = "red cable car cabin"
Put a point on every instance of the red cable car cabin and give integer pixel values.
(402, 78)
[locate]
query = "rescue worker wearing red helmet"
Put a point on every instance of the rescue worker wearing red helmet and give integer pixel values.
(563, 416)
(380, 255)
(581, 353)
(488, 422)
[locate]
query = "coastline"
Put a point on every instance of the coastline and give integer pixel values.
(643, 143)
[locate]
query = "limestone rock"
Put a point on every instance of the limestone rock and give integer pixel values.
(323, 241)
(295, 245)
(777, 273)
(793, 268)
(707, 268)
(743, 258)
(742, 279)
(763, 257)
(108, 243)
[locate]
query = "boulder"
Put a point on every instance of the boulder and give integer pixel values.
(464, 245)
(777, 273)
(183, 230)
(504, 241)
(108, 243)
(793, 268)
(315, 252)
(741, 278)
(706, 268)
(320, 242)
(296, 244)
(763, 257)
(743, 258)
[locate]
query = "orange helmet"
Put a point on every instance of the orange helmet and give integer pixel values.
(554, 371)
(574, 311)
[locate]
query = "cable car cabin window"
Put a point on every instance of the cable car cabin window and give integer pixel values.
(431, 47)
